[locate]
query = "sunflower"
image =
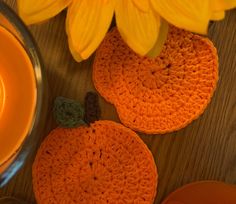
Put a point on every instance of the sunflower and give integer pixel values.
(141, 23)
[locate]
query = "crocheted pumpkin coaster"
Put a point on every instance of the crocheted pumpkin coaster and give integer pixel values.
(204, 192)
(157, 95)
(103, 163)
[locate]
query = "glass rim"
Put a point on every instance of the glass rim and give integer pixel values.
(18, 158)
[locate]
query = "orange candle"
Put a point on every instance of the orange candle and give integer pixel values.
(17, 95)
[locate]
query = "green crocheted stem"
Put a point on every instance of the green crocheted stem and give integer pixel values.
(68, 113)
(92, 108)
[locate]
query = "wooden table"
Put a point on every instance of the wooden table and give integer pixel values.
(206, 149)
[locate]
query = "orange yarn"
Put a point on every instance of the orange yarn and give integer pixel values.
(157, 95)
(203, 192)
(103, 163)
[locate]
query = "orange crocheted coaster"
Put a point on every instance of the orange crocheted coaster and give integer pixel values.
(103, 163)
(157, 95)
(204, 192)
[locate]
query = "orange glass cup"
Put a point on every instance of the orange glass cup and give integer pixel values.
(22, 93)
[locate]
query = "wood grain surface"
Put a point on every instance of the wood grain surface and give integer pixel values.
(206, 149)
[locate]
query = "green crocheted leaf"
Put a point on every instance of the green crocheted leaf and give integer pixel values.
(68, 113)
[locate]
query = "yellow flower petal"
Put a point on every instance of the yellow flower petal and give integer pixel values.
(143, 5)
(87, 24)
(32, 11)
(217, 15)
(192, 15)
(137, 28)
(221, 5)
(163, 32)
(74, 52)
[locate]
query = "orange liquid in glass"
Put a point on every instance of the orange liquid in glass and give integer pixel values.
(17, 95)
